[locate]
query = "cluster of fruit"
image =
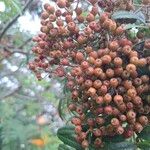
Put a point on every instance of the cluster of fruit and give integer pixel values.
(108, 94)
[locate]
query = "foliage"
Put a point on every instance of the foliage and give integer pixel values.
(11, 9)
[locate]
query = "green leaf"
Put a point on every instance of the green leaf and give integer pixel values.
(130, 26)
(115, 139)
(66, 130)
(70, 140)
(120, 146)
(145, 145)
(127, 16)
(67, 136)
(60, 108)
(137, 1)
(63, 147)
(16, 5)
(145, 134)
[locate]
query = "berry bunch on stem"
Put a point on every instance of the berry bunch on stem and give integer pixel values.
(94, 55)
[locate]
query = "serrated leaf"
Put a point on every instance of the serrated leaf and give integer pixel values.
(121, 146)
(127, 15)
(67, 136)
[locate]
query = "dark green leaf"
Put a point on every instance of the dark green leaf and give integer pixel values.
(67, 136)
(114, 139)
(120, 146)
(127, 17)
(70, 140)
(60, 109)
(66, 130)
(145, 145)
(145, 134)
(63, 147)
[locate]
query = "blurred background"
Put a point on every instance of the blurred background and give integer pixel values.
(28, 108)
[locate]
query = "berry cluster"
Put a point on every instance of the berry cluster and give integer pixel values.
(108, 92)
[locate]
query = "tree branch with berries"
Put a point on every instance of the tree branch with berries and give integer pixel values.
(106, 74)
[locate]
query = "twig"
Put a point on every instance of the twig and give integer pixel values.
(17, 50)
(9, 24)
(77, 4)
(24, 44)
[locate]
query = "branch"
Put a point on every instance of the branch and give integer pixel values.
(25, 43)
(17, 50)
(9, 24)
